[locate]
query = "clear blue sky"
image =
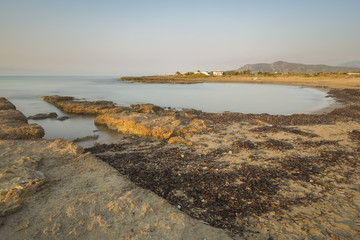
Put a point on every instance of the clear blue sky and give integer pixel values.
(138, 37)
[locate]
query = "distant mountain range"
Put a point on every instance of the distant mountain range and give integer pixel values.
(355, 64)
(285, 67)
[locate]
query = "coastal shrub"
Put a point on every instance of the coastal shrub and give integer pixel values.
(231, 73)
(193, 75)
(246, 72)
(267, 74)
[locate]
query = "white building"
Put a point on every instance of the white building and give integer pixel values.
(218, 73)
(198, 72)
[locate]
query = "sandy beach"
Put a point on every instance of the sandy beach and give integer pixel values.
(187, 174)
(322, 81)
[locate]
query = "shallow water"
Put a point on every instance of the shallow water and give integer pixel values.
(208, 97)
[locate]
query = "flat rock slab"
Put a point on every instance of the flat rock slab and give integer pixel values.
(41, 116)
(14, 125)
(152, 125)
(5, 104)
(75, 106)
(12, 115)
(20, 130)
(71, 105)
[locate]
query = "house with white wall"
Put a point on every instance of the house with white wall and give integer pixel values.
(218, 73)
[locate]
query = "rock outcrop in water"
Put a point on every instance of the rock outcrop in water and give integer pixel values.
(5, 104)
(42, 116)
(146, 108)
(75, 106)
(71, 105)
(14, 125)
(138, 119)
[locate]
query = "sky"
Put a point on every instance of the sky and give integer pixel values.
(143, 37)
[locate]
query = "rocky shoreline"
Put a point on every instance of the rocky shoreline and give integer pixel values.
(14, 124)
(256, 176)
(51, 189)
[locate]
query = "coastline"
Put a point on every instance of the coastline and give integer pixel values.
(297, 175)
(318, 82)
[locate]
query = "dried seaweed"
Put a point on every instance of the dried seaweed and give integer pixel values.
(276, 129)
(276, 145)
(315, 144)
(355, 135)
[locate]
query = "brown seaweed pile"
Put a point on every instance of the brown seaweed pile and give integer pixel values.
(206, 188)
(313, 144)
(355, 135)
(275, 129)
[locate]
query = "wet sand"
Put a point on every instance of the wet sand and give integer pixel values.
(255, 176)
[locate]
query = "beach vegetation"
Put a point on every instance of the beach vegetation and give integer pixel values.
(231, 73)
(194, 75)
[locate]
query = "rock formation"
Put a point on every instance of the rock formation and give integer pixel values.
(71, 105)
(41, 116)
(14, 125)
(5, 104)
(139, 119)
(151, 125)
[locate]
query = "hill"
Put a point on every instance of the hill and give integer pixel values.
(355, 64)
(285, 67)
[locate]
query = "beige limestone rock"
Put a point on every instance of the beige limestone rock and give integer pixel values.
(146, 108)
(20, 130)
(5, 104)
(139, 124)
(14, 125)
(74, 106)
(152, 125)
(70, 105)
(12, 115)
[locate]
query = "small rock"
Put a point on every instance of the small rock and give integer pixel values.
(178, 140)
(87, 138)
(41, 116)
(63, 118)
(146, 108)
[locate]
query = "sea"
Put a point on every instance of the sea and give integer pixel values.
(25, 93)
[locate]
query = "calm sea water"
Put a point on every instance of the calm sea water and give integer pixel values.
(24, 92)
